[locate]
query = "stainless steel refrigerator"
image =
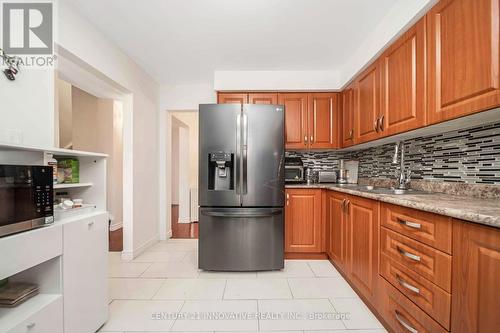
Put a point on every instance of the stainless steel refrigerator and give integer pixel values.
(241, 187)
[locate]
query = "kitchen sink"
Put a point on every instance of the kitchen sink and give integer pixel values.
(394, 191)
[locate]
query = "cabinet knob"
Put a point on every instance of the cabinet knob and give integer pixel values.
(351, 133)
(30, 325)
(305, 139)
(312, 139)
(91, 223)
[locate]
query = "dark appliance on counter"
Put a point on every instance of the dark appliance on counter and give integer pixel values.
(294, 170)
(241, 187)
(26, 198)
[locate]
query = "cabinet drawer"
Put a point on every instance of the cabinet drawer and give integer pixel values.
(430, 263)
(403, 316)
(48, 319)
(433, 300)
(428, 228)
(42, 244)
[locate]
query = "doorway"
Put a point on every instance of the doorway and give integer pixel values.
(184, 166)
(89, 123)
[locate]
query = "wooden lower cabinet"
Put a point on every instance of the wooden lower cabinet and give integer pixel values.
(352, 239)
(399, 261)
(363, 244)
(303, 221)
(403, 316)
(336, 227)
(476, 277)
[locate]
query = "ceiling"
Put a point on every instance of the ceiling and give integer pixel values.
(184, 41)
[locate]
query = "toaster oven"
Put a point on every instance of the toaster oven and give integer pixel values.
(294, 170)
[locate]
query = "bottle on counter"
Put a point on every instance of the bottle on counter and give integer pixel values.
(53, 163)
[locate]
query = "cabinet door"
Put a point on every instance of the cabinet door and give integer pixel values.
(263, 98)
(463, 58)
(362, 246)
(476, 270)
(303, 229)
(232, 98)
(367, 103)
(323, 120)
(296, 136)
(348, 117)
(85, 268)
(403, 83)
(336, 228)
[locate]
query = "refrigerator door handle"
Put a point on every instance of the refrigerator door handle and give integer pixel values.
(264, 213)
(244, 188)
(238, 157)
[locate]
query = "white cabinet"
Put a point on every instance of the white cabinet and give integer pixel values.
(85, 268)
(49, 318)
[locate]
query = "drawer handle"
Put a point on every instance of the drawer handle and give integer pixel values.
(408, 286)
(404, 323)
(408, 254)
(411, 224)
(91, 223)
(30, 325)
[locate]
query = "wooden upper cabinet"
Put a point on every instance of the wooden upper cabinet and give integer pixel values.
(303, 221)
(347, 111)
(403, 83)
(476, 270)
(232, 98)
(263, 98)
(323, 120)
(295, 119)
(363, 244)
(367, 105)
(463, 58)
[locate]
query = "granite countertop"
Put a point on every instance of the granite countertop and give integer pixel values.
(482, 211)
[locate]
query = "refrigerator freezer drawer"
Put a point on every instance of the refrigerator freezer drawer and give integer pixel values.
(241, 239)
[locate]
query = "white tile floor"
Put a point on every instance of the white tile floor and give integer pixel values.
(163, 291)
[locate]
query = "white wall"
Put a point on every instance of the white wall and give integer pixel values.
(86, 135)
(80, 38)
(175, 163)
(184, 188)
(115, 198)
(186, 97)
(277, 80)
(64, 114)
(190, 119)
(27, 108)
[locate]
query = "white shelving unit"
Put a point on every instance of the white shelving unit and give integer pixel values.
(43, 256)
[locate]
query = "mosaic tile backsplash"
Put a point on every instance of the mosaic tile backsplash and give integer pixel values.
(467, 156)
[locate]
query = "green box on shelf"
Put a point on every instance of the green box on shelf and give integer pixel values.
(71, 167)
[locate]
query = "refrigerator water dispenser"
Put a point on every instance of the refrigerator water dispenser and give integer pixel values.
(220, 167)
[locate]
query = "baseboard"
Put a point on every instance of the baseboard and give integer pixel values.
(310, 256)
(131, 255)
(115, 226)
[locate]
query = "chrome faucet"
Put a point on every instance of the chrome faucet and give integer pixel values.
(404, 175)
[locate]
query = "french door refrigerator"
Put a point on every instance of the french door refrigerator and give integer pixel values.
(241, 187)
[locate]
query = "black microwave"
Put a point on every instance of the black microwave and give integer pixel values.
(26, 198)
